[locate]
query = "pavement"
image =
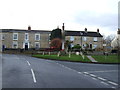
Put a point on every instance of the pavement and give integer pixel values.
(91, 58)
(20, 71)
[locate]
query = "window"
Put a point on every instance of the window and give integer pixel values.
(15, 44)
(72, 45)
(84, 38)
(71, 38)
(26, 36)
(94, 46)
(37, 45)
(37, 37)
(2, 36)
(15, 36)
(95, 39)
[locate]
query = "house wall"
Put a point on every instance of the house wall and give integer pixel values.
(8, 41)
(89, 40)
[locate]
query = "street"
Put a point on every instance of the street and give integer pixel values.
(20, 71)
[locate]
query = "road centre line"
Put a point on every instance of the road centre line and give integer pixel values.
(103, 71)
(95, 77)
(33, 75)
(28, 63)
(92, 75)
(112, 83)
(104, 83)
(101, 78)
(85, 72)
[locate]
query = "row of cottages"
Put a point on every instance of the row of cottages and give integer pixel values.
(27, 39)
(94, 40)
(24, 39)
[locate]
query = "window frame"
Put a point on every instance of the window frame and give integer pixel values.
(38, 44)
(14, 36)
(27, 36)
(15, 42)
(95, 39)
(38, 38)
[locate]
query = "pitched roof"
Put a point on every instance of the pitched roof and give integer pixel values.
(23, 30)
(82, 33)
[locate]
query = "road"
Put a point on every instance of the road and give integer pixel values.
(20, 71)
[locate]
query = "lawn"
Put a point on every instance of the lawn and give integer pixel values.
(106, 59)
(77, 58)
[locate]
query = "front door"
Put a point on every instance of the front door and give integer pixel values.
(90, 46)
(26, 46)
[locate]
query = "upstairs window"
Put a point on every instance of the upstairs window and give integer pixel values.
(95, 39)
(2, 36)
(71, 38)
(37, 37)
(15, 36)
(26, 36)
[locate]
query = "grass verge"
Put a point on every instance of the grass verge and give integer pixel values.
(106, 59)
(77, 58)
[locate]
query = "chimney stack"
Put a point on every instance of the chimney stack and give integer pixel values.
(86, 30)
(29, 27)
(98, 30)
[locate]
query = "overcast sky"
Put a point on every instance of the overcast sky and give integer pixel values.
(48, 14)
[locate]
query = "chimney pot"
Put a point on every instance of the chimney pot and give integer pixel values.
(29, 27)
(98, 30)
(86, 30)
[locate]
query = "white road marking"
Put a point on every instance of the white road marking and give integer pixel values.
(92, 75)
(104, 83)
(85, 72)
(112, 83)
(94, 78)
(28, 63)
(104, 71)
(33, 74)
(79, 72)
(101, 78)
(113, 87)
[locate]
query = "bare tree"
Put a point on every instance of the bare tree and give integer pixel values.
(110, 38)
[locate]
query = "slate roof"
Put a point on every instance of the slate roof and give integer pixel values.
(82, 33)
(23, 30)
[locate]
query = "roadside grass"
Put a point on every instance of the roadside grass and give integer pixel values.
(77, 58)
(106, 59)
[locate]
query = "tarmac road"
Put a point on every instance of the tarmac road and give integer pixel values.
(20, 71)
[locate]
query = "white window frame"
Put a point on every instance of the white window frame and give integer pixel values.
(36, 38)
(95, 39)
(14, 36)
(84, 38)
(38, 44)
(95, 46)
(27, 36)
(2, 36)
(15, 42)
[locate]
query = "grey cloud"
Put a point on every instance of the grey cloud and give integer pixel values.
(102, 20)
